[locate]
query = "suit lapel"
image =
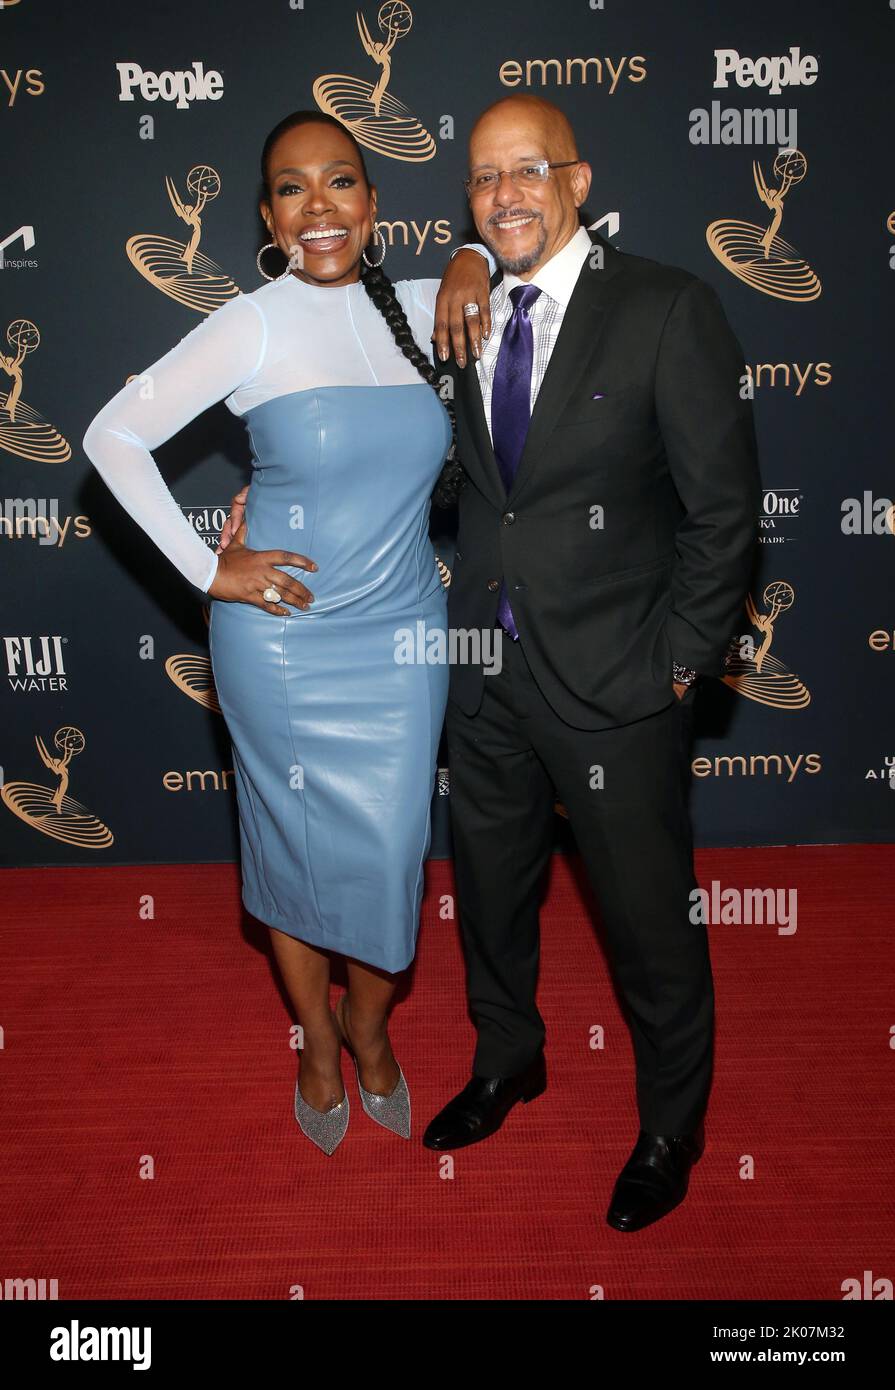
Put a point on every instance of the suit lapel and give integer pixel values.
(573, 349)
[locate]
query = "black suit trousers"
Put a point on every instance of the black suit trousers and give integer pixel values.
(634, 834)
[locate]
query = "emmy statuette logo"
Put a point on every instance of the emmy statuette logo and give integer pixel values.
(376, 118)
(757, 674)
(192, 675)
(23, 430)
(179, 269)
(52, 811)
(757, 255)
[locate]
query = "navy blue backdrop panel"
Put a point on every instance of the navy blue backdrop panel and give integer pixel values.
(748, 143)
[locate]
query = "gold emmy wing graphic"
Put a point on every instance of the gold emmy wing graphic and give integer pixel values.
(23, 430)
(762, 677)
(50, 810)
(179, 269)
(192, 674)
(758, 255)
(375, 118)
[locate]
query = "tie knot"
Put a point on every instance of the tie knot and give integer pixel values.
(523, 296)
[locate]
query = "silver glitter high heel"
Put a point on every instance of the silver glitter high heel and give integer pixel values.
(325, 1128)
(391, 1111)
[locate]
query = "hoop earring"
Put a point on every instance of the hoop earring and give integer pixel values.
(262, 271)
(374, 265)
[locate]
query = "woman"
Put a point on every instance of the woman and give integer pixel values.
(334, 740)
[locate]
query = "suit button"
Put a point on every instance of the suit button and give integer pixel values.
(509, 518)
(493, 585)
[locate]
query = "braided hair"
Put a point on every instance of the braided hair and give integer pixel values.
(379, 287)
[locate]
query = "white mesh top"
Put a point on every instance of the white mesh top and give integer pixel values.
(285, 336)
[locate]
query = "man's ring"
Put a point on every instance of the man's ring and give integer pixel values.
(272, 595)
(470, 310)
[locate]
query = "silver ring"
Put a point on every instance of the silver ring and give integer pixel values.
(470, 310)
(272, 595)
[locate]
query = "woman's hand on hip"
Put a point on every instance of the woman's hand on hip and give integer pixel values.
(243, 575)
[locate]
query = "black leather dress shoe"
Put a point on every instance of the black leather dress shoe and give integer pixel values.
(483, 1105)
(654, 1180)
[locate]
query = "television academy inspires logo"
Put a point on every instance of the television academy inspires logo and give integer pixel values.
(53, 812)
(375, 118)
(24, 234)
(758, 255)
(751, 670)
(23, 430)
(179, 269)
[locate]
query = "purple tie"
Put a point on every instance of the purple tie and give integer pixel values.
(511, 406)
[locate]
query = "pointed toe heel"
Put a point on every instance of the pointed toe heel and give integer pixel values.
(391, 1111)
(325, 1128)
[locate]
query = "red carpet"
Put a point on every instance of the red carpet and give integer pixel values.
(168, 1038)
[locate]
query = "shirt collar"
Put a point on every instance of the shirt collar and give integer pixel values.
(557, 277)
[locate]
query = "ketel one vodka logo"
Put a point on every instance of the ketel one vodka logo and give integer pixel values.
(23, 430)
(758, 255)
(178, 268)
(375, 118)
(50, 809)
(35, 663)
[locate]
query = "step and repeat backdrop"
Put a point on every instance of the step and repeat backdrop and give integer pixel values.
(747, 143)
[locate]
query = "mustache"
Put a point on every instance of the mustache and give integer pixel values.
(515, 212)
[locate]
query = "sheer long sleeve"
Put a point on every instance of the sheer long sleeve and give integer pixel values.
(209, 362)
(482, 250)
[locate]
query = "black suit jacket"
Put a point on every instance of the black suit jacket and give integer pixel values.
(639, 414)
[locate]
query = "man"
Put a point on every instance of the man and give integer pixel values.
(608, 527)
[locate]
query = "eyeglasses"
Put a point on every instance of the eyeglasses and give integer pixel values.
(529, 175)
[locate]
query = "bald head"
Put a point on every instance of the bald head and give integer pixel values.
(534, 114)
(524, 221)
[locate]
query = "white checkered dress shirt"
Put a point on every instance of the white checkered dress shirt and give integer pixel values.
(559, 275)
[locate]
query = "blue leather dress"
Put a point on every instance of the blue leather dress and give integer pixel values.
(335, 739)
(334, 731)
